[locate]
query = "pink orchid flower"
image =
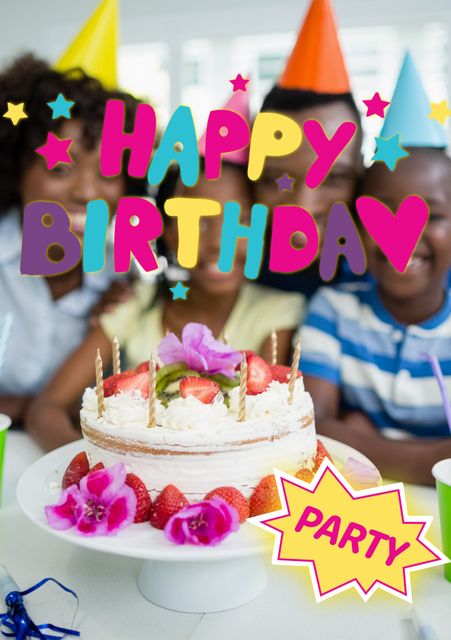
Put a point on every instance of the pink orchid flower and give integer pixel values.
(200, 351)
(103, 505)
(203, 523)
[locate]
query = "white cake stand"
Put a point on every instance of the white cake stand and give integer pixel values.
(183, 578)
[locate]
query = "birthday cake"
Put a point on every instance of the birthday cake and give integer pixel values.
(204, 417)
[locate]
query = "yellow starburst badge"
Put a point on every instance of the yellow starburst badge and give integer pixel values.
(362, 539)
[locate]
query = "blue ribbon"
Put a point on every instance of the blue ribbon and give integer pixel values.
(19, 623)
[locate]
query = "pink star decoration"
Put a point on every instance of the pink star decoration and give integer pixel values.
(55, 150)
(239, 83)
(375, 106)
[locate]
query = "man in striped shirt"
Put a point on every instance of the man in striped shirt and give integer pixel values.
(364, 344)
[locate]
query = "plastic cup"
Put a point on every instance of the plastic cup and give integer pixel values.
(5, 423)
(442, 474)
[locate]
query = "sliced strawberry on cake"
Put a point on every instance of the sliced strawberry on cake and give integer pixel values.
(247, 353)
(280, 373)
(265, 497)
(134, 382)
(144, 366)
(321, 453)
(110, 385)
(143, 501)
(305, 474)
(234, 498)
(168, 502)
(97, 467)
(77, 469)
(258, 375)
(203, 389)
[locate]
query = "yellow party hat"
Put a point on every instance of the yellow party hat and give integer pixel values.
(94, 49)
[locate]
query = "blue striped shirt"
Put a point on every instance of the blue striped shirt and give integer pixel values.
(352, 341)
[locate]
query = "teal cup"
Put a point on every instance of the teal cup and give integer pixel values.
(5, 423)
(442, 474)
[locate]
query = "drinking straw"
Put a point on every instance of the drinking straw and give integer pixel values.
(5, 328)
(435, 364)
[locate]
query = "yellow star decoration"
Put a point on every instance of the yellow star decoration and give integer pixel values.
(361, 539)
(15, 112)
(440, 111)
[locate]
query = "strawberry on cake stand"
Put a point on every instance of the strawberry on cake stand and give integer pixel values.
(173, 460)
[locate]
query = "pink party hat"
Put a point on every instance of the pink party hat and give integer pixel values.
(238, 102)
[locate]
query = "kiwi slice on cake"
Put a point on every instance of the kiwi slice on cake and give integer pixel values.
(225, 382)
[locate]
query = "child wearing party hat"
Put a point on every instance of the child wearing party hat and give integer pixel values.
(365, 346)
(313, 86)
(50, 316)
(248, 316)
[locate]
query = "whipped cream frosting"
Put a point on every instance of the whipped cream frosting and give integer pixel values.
(208, 446)
(187, 420)
(191, 413)
(272, 402)
(127, 409)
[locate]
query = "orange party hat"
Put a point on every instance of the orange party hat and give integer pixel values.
(316, 62)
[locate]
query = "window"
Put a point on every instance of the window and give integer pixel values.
(143, 71)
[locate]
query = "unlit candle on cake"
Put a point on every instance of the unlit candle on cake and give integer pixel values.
(99, 385)
(116, 356)
(243, 390)
(294, 370)
(152, 393)
(274, 347)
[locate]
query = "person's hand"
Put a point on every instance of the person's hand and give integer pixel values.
(360, 423)
(120, 291)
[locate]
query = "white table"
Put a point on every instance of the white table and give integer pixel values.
(111, 606)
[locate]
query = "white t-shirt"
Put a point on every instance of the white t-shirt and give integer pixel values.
(43, 331)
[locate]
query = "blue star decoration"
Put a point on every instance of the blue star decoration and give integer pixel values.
(285, 183)
(179, 291)
(61, 107)
(389, 150)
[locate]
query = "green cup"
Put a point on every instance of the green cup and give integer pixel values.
(5, 423)
(442, 474)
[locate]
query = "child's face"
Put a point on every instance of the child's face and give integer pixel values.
(72, 185)
(232, 185)
(340, 184)
(426, 173)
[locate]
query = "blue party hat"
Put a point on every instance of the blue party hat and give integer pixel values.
(408, 113)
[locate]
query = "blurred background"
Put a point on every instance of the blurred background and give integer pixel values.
(183, 52)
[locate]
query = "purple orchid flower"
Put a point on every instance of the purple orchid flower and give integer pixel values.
(203, 523)
(200, 350)
(103, 505)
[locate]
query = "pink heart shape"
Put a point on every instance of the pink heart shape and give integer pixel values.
(396, 234)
